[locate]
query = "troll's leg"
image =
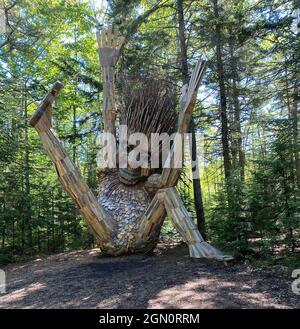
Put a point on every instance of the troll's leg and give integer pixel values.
(68, 174)
(184, 224)
(150, 225)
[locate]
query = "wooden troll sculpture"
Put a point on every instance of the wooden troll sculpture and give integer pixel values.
(132, 203)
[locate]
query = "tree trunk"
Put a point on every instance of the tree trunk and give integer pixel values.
(28, 224)
(295, 119)
(13, 233)
(74, 150)
(198, 202)
(223, 101)
(183, 44)
(237, 138)
(60, 218)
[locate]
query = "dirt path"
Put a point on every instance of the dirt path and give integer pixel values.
(169, 280)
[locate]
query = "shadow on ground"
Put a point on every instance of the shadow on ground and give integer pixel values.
(168, 279)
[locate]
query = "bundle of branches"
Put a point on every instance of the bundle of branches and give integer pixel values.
(148, 106)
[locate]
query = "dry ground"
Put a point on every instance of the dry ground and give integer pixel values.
(168, 280)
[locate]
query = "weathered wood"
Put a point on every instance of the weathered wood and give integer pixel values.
(45, 106)
(128, 217)
(170, 176)
(109, 44)
(153, 218)
(171, 201)
(68, 173)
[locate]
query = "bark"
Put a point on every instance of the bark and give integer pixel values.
(27, 224)
(223, 101)
(295, 119)
(74, 150)
(61, 219)
(182, 40)
(13, 233)
(3, 225)
(237, 138)
(198, 202)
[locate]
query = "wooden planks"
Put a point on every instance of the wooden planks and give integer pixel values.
(76, 187)
(109, 45)
(109, 113)
(170, 176)
(180, 217)
(165, 201)
(151, 221)
(68, 174)
(41, 119)
(168, 199)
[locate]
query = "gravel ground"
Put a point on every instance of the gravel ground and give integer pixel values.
(169, 279)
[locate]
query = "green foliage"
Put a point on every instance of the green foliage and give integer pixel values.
(229, 225)
(262, 214)
(52, 41)
(254, 213)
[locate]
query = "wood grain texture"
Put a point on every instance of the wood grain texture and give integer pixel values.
(109, 45)
(68, 174)
(171, 201)
(170, 176)
(126, 218)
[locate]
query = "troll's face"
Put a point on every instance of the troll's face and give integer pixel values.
(148, 110)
